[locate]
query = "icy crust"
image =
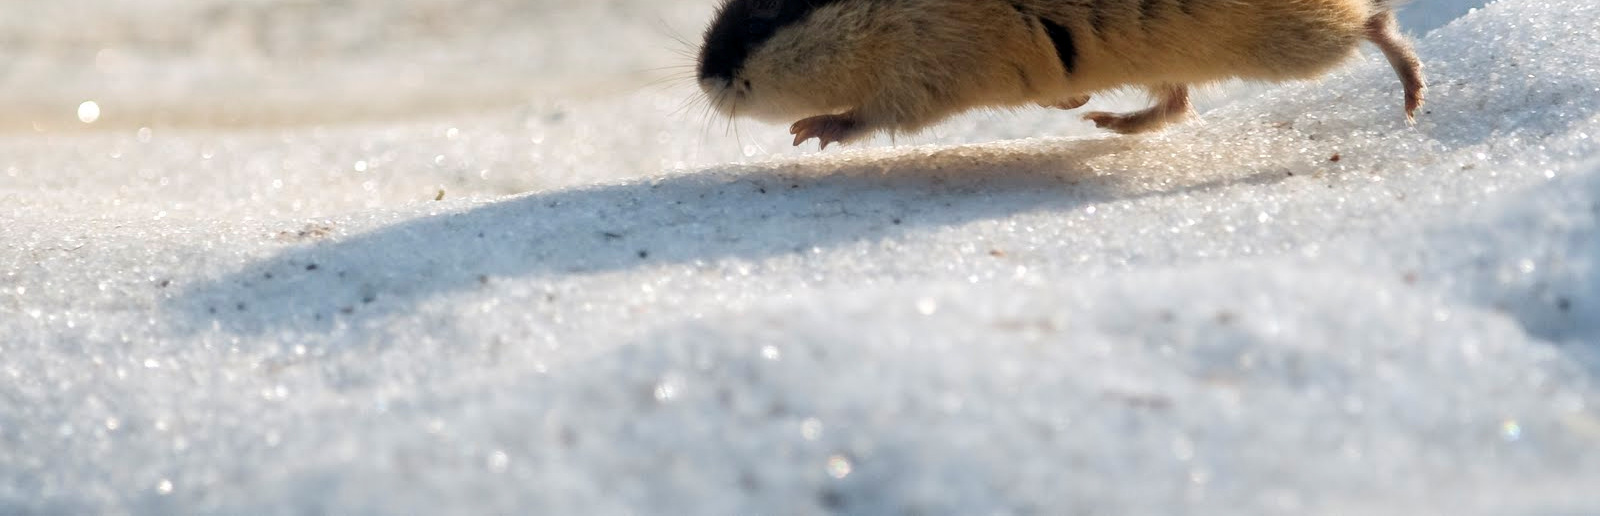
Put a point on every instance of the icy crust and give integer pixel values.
(1097, 397)
(1535, 257)
(1299, 305)
(1103, 398)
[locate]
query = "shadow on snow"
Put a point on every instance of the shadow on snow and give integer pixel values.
(746, 213)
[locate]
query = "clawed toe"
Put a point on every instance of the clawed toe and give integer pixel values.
(1104, 120)
(827, 129)
(1414, 101)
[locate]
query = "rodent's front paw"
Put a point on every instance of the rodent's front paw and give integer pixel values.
(826, 129)
(1106, 120)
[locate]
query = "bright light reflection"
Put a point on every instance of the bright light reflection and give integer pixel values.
(839, 466)
(88, 112)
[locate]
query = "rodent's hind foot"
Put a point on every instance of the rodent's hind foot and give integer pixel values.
(1172, 105)
(826, 129)
(1384, 31)
(1071, 103)
(1414, 100)
(1143, 121)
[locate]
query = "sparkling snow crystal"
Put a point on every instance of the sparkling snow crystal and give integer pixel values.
(447, 257)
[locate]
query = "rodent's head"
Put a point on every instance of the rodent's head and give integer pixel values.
(780, 59)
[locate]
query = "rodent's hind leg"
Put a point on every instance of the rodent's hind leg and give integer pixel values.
(1070, 103)
(1172, 105)
(828, 129)
(1384, 31)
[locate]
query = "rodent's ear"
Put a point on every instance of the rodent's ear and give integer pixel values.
(766, 8)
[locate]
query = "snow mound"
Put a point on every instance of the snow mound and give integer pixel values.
(1297, 305)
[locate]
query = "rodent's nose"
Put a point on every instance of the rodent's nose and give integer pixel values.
(716, 81)
(720, 61)
(710, 71)
(715, 87)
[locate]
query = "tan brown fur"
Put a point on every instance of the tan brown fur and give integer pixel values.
(857, 67)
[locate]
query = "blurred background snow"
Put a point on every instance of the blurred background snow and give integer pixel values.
(487, 257)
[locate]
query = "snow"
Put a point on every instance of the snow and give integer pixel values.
(234, 291)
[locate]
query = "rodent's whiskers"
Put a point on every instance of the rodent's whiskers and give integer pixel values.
(687, 53)
(733, 124)
(685, 69)
(691, 102)
(680, 74)
(685, 47)
(727, 125)
(680, 66)
(737, 138)
(706, 103)
(701, 104)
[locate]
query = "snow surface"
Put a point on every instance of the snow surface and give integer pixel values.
(235, 293)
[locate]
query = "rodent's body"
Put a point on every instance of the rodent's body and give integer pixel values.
(1193, 41)
(855, 67)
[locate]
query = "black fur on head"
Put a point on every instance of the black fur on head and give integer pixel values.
(741, 26)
